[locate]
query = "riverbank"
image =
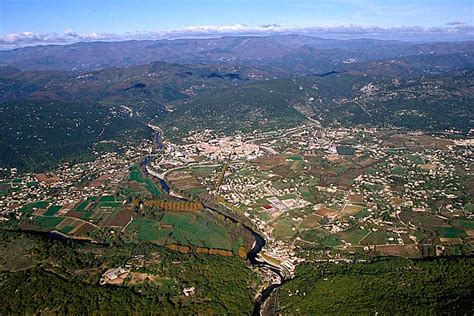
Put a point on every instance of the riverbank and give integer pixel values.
(253, 255)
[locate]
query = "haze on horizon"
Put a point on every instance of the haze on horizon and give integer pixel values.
(33, 22)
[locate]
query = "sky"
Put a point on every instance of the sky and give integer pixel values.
(27, 22)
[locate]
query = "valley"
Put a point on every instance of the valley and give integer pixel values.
(264, 175)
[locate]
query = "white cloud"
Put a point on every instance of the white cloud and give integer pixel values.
(69, 32)
(455, 30)
(456, 22)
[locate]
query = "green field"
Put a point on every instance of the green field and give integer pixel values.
(152, 187)
(82, 206)
(48, 222)
(345, 150)
(187, 229)
(379, 238)
(87, 214)
(52, 210)
(107, 198)
(464, 223)
(29, 208)
(198, 230)
(451, 232)
(148, 230)
(283, 229)
(353, 235)
(203, 171)
(110, 204)
(137, 176)
(320, 237)
(296, 158)
(67, 229)
(196, 191)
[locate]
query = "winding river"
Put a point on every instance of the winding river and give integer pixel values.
(252, 255)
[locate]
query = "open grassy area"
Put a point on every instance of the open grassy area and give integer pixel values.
(353, 235)
(107, 198)
(283, 228)
(110, 204)
(137, 176)
(82, 206)
(184, 229)
(67, 229)
(198, 230)
(321, 237)
(87, 214)
(203, 171)
(379, 238)
(148, 230)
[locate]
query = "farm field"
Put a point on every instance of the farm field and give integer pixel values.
(136, 176)
(193, 229)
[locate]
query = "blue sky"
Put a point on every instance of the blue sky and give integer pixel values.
(132, 16)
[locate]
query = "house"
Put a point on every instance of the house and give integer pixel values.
(189, 291)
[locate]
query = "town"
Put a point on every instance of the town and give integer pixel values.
(314, 193)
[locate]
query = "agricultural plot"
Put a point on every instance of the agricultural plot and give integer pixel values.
(284, 229)
(186, 182)
(52, 210)
(310, 221)
(83, 229)
(197, 230)
(407, 251)
(321, 237)
(351, 209)
(82, 206)
(148, 230)
(203, 171)
(182, 228)
(423, 220)
(69, 225)
(30, 208)
(148, 184)
(48, 222)
(380, 238)
(465, 224)
(353, 235)
(451, 232)
(120, 218)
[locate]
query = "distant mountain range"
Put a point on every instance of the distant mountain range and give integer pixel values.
(294, 54)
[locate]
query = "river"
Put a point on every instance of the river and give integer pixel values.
(252, 255)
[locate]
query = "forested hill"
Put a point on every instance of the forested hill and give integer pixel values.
(387, 286)
(37, 135)
(431, 103)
